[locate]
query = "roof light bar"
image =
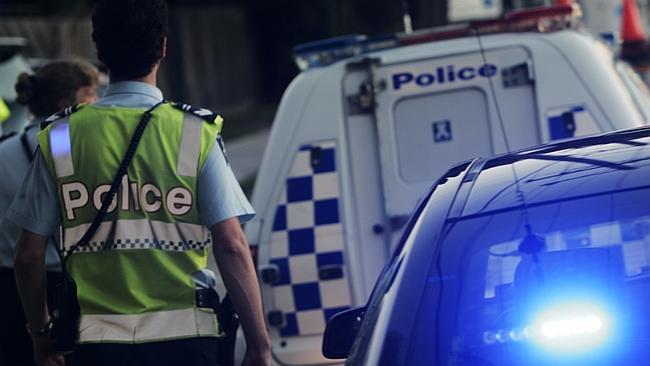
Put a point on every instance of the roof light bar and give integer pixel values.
(328, 51)
(542, 19)
(325, 52)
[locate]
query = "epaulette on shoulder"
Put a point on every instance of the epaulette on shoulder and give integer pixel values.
(61, 114)
(203, 113)
(8, 135)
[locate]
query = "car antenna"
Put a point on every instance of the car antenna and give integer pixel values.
(408, 25)
(531, 243)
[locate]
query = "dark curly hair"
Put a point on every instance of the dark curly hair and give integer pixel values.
(129, 35)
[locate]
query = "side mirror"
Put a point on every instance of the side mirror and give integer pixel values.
(340, 333)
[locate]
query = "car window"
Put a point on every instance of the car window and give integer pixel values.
(566, 282)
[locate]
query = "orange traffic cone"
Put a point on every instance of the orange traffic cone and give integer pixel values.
(634, 48)
(631, 28)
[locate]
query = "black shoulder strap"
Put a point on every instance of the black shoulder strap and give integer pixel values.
(29, 153)
(61, 114)
(7, 135)
(223, 148)
(110, 195)
(24, 140)
(203, 113)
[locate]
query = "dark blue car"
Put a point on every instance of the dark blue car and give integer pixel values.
(539, 257)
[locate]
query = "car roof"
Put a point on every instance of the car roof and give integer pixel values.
(561, 171)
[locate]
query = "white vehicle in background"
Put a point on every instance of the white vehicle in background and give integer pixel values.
(370, 122)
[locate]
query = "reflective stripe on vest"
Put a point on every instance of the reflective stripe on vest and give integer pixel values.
(188, 157)
(61, 148)
(139, 234)
(155, 325)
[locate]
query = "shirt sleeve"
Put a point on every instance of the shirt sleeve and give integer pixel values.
(35, 207)
(220, 196)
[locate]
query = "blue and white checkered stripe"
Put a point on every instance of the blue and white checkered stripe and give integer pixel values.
(582, 124)
(633, 236)
(307, 235)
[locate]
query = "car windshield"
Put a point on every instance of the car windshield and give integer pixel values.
(566, 282)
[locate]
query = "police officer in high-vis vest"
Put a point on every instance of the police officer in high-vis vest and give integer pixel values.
(134, 276)
(53, 86)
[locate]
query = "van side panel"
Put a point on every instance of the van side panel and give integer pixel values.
(368, 230)
(435, 112)
(593, 69)
(303, 263)
(307, 244)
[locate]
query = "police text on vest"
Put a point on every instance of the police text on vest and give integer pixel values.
(147, 197)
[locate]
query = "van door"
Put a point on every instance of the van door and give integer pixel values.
(434, 113)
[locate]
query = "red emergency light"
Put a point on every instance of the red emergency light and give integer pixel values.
(539, 19)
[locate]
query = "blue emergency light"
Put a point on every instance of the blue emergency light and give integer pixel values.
(325, 52)
(328, 51)
(571, 328)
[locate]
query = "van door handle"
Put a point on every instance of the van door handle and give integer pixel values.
(270, 274)
(395, 223)
(330, 272)
(275, 318)
(398, 222)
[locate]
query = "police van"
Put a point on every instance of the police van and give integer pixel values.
(371, 121)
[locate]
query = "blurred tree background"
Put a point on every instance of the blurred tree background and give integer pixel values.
(230, 55)
(276, 26)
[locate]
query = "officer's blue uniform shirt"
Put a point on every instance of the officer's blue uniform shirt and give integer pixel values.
(14, 165)
(220, 197)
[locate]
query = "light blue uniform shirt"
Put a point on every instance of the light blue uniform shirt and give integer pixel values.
(36, 207)
(14, 166)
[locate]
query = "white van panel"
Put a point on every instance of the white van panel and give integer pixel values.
(436, 112)
(434, 131)
(582, 73)
(367, 232)
(306, 240)
(300, 208)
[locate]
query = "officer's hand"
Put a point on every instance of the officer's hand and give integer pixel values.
(44, 353)
(256, 358)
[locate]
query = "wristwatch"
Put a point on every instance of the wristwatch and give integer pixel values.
(42, 331)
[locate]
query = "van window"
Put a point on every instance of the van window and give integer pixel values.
(434, 131)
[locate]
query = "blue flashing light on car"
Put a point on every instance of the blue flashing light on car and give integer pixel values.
(568, 328)
(572, 328)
